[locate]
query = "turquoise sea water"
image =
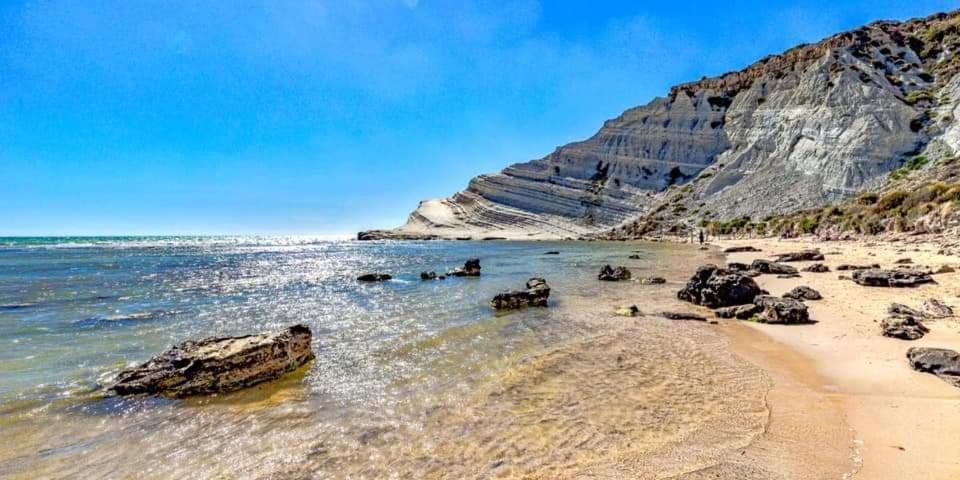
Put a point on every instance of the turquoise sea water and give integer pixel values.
(74, 311)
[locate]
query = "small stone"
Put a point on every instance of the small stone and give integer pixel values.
(802, 293)
(653, 281)
(903, 327)
(817, 268)
(683, 316)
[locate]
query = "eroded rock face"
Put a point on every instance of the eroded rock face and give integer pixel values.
(766, 266)
(535, 295)
(891, 278)
(941, 362)
(471, 268)
(611, 274)
(779, 310)
(714, 287)
(801, 256)
(802, 293)
(218, 365)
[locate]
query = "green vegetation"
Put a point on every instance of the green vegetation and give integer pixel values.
(913, 164)
(917, 96)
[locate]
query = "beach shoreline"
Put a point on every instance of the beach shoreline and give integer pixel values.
(902, 423)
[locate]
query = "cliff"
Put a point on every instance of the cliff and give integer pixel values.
(817, 124)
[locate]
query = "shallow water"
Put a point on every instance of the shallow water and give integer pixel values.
(412, 379)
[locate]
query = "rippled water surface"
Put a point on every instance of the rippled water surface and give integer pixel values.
(412, 379)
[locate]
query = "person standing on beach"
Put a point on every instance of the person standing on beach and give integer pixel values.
(701, 237)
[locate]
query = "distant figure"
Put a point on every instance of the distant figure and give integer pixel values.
(701, 237)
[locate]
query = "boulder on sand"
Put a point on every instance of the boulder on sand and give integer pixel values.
(937, 309)
(714, 287)
(218, 365)
(766, 266)
(535, 295)
(610, 274)
(683, 316)
(904, 327)
(747, 248)
(653, 281)
(846, 267)
(471, 268)
(374, 277)
(890, 278)
(941, 362)
(777, 310)
(801, 256)
(802, 293)
(817, 268)
(740, 312)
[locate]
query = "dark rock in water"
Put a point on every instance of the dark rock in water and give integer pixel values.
(789, 275)
(487, 239)
(802, 293)
(634, 257)
(890, 278)
(610, 274)
(780, 310)
(218, 365)
(740, 312)
(471, 268)
(464, 239)
(904, 327)
(801, 256)
(937, 309)
(428, 275)
(738, 267)
(683, 316)
(715, 287)
(552, 252)
(817, 268)
(766, 266)
(653, 281)
(845, 267)
(747, 248)
(904, 261)
(535, 295)
(17, 306)
(374, 277)
(941, 362)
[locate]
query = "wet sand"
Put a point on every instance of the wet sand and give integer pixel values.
(904, 423)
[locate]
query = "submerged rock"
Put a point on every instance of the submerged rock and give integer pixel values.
(374, 277)
(470, 268)
(941, 362)
(535, 295)
(777, 310)
(715, 287)
(634, 257)
(428, 275)
(904, 327)
(766, 266)
(890, 278)
(801, 256)
(552, 252)
(817, 268)
(610, 274)
(218, 365)
(803, 292)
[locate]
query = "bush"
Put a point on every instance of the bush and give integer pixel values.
(808, 224)
(868, 198)
(890, 201)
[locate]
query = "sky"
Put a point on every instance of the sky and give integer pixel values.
(329, 117)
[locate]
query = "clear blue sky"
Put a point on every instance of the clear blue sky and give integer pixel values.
(147, 117)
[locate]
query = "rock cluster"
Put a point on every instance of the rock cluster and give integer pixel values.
(714, 287)
(218, 365)
(470, 268)
(611, 274)
(535, 295)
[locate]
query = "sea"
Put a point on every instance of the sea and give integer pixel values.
(412, 378)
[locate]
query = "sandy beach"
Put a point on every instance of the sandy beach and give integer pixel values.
(841, 373)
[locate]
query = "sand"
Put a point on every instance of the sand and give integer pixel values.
(904, 424)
